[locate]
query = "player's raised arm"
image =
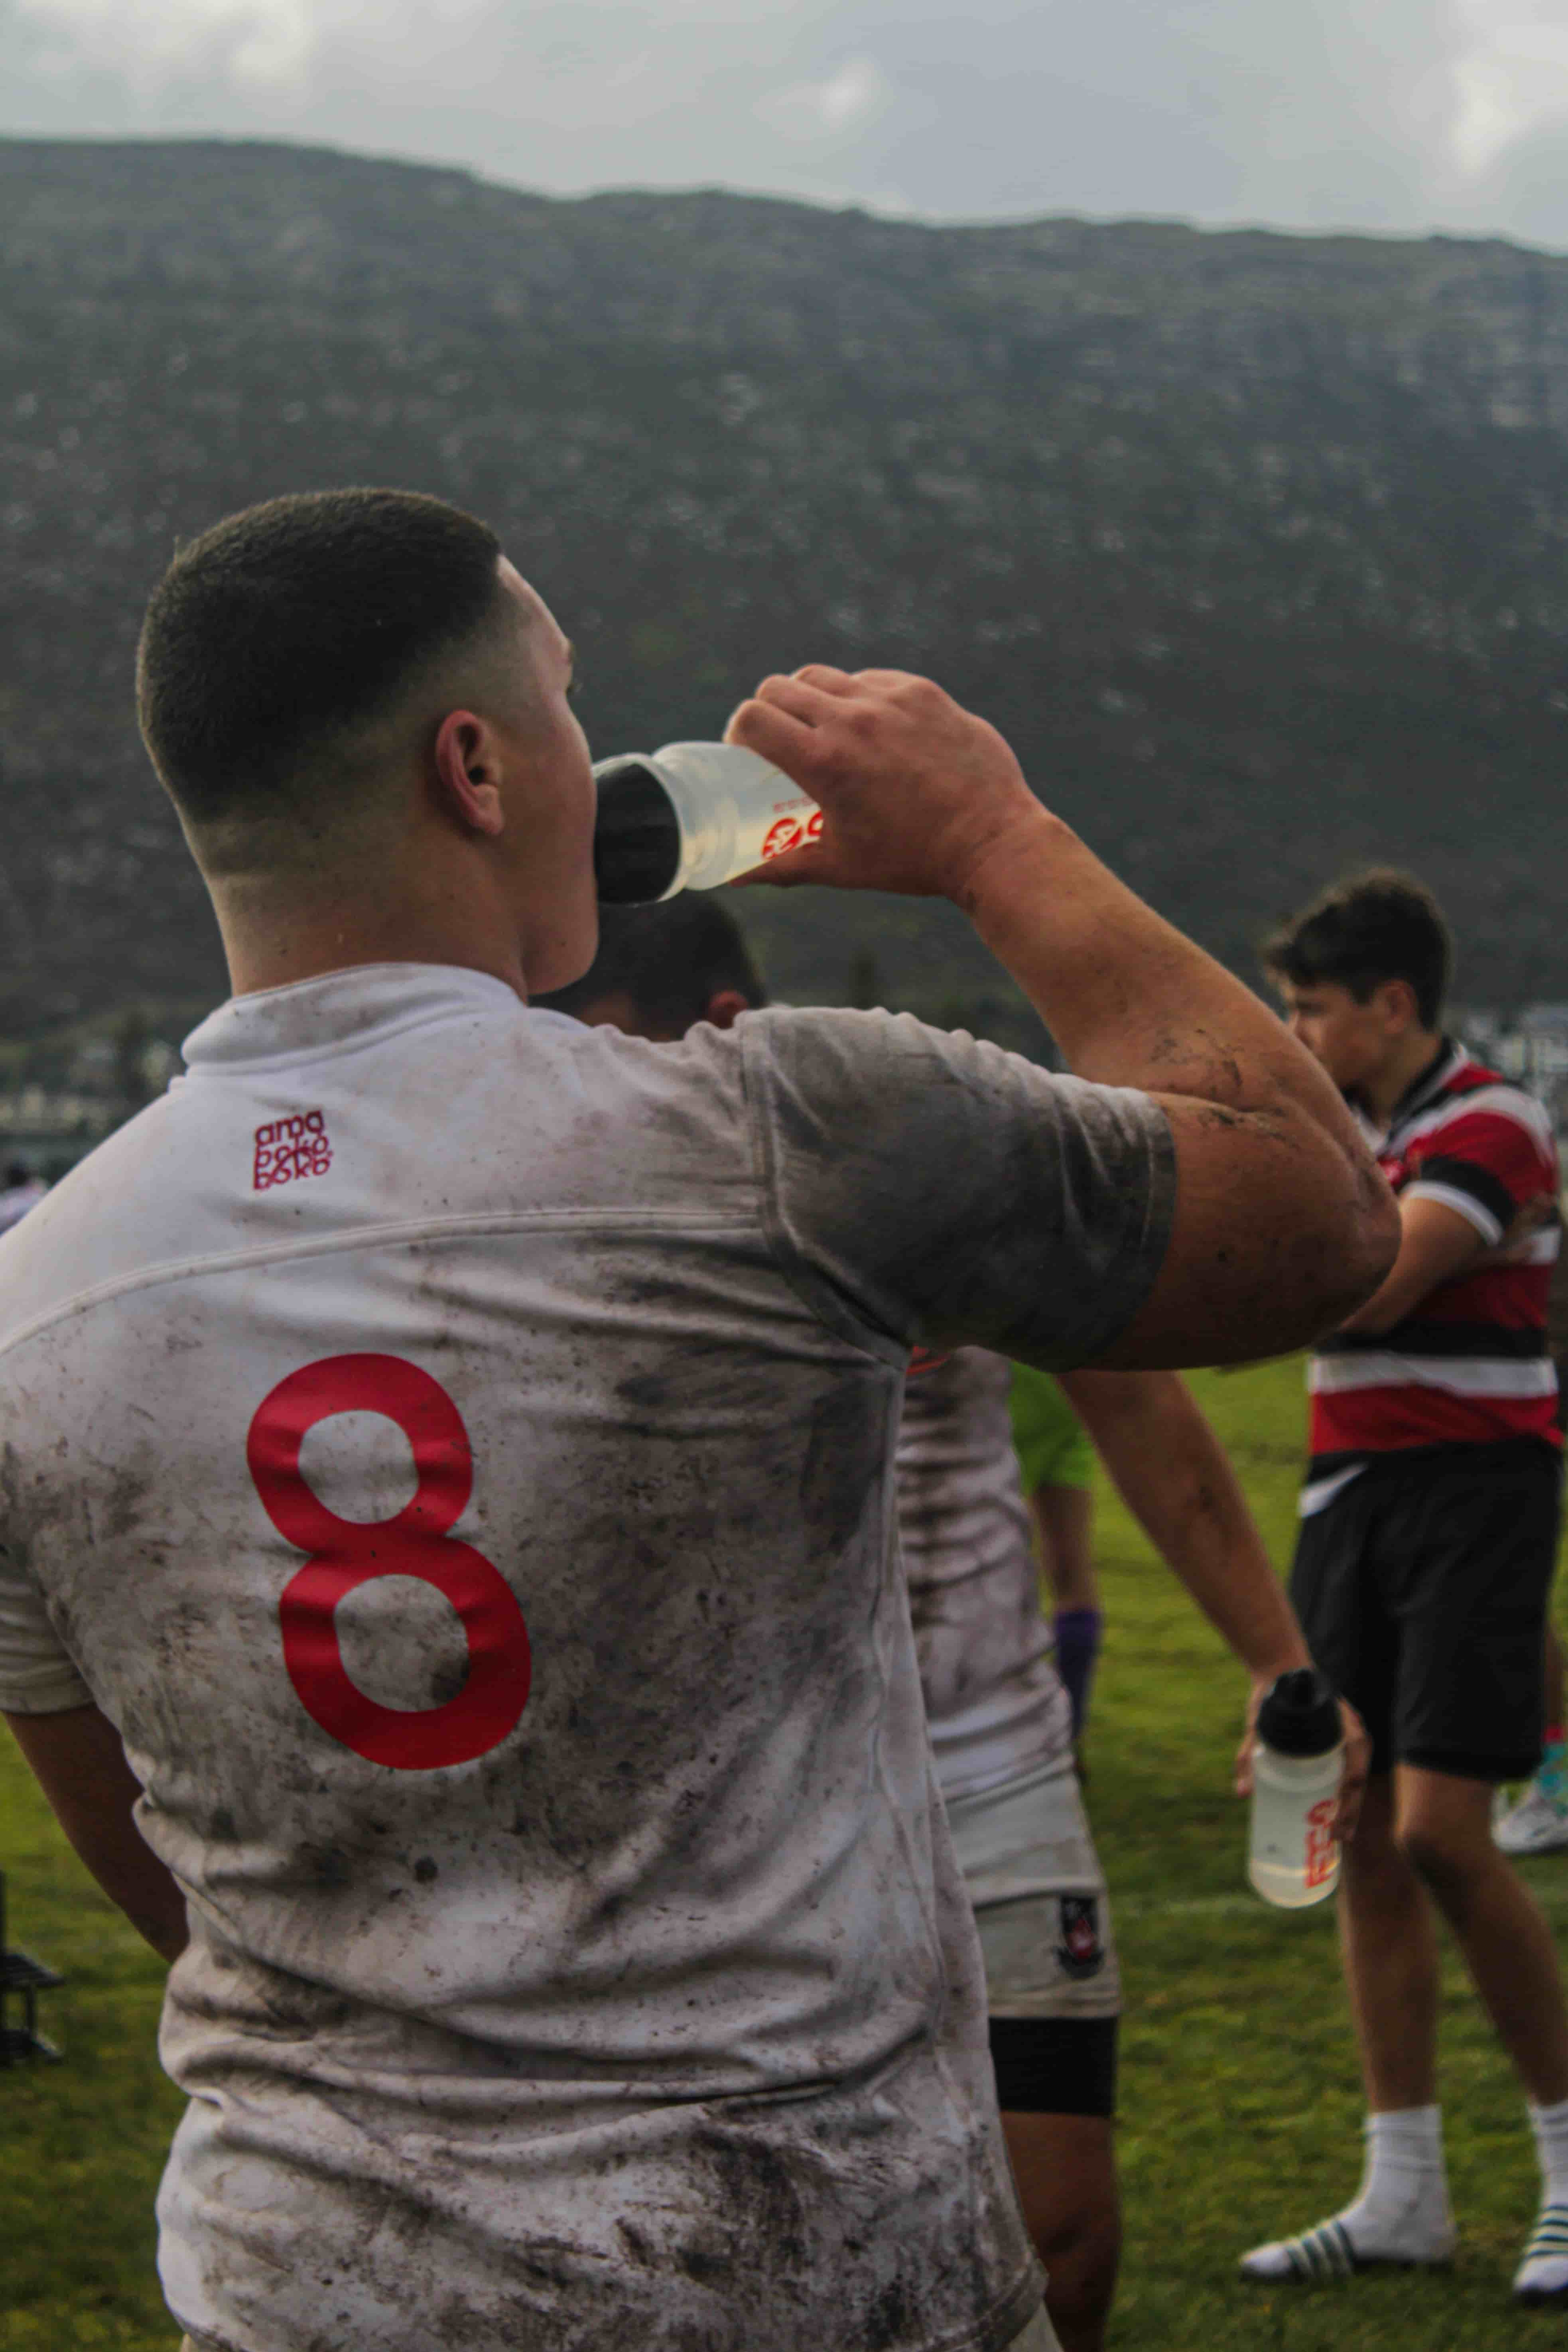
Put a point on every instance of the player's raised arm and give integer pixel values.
(1282, 1224)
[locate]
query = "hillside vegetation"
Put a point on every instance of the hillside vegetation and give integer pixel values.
(1255, 543)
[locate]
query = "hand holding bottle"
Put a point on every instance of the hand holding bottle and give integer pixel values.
(1355, 1757)
(917, 794)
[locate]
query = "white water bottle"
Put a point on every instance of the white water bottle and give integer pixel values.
(1293, 1857)
(690, 817)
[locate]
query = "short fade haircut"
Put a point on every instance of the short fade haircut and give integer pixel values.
(670, 960)
(1373, 927)
(289, 623)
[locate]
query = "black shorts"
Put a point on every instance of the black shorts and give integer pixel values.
(1422, 1590)
(1055, 2065)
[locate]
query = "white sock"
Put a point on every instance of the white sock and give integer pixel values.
(1402, 2206)
(1543, 2273)
(1400, 2214)
(1550, 2126)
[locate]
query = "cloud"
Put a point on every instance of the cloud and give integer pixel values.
(1510, 79)
(152, 43)
(855, 94)
(1332, 114)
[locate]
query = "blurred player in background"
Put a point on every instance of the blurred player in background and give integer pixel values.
(20, 1190)
(1001, 1721)
(1056, 1462)
(1538, 1822)
(1429, 1523)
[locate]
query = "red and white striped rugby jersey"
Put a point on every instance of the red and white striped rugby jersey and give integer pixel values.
(1470, 1365)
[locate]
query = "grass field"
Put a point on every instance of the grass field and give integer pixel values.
(1240, 2108)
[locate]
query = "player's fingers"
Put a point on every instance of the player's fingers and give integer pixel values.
(1249, 1738)
(803, 700)
(828, 680)
(772, 733)
(811, 863)
(1243, 1764)
(894, 681)
(1353, 1781)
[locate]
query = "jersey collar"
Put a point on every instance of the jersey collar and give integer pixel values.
(1423, 1089)
(1428, 1084)
(341, 1008)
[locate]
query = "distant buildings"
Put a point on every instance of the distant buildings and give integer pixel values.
(1531, 1046)
(49, 1124)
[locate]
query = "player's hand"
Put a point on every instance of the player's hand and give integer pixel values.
(916, 792)
(1352, 1775)
(1533, 1218)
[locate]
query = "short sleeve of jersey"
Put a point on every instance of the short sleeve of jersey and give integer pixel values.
(37, 1676)
(1494, 1153)
(948, 1192)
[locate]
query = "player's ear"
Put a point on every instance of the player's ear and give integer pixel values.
(1400, 1008)
(725, 1008)
(467, 766)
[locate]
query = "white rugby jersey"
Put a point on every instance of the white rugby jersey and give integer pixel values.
(994, 1702)
(453, 1445)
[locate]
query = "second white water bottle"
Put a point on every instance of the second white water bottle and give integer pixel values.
(690, 817)
(1293, 1857)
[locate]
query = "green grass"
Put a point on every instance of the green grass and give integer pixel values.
(1240, 2105)
(1240, 2108)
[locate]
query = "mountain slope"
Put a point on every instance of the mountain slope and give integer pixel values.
(1255, 544)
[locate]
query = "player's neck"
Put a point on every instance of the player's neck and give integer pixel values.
(275, 935)
(1408, 1057)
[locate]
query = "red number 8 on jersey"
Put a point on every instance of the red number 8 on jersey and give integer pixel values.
(346, 1553)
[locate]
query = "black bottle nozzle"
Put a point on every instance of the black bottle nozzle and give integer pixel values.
(636, 834)
(1300, 1715)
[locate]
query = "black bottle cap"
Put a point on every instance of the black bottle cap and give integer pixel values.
(636, 834)
(1300, 1715)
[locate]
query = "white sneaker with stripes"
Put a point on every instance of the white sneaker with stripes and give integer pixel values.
(1329, 2252)
(1543, 2275)
(1538, 1823)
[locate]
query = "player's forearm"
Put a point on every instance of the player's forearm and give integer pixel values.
(1176, 1480)
(1131, 1001)
(1436, 1246)
(1283, 1222)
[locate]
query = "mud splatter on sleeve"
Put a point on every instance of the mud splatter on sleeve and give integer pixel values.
(944, 1190)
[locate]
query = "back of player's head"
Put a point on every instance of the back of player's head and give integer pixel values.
(283, 631)
(668, 961)
(1373, 927)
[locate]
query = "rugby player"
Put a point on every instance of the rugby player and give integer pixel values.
(447, 1586)
(1001, 1724)
(1538, 1822)
(1428, 1537)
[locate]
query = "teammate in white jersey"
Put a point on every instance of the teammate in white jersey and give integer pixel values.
(1002, 1724)
(447, 1483)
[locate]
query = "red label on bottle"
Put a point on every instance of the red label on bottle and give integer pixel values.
(1322, 1851)
(792, 833)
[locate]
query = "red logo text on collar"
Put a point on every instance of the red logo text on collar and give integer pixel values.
(289, 1148)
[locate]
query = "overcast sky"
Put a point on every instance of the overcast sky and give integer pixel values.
(1377, 114)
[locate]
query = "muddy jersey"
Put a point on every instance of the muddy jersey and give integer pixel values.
(995, 1704)
(454, 1446)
